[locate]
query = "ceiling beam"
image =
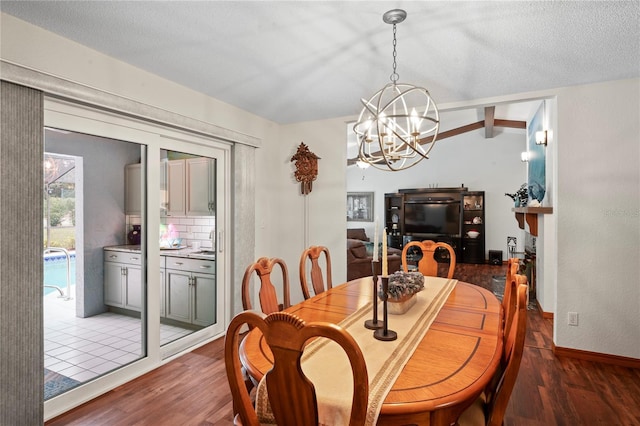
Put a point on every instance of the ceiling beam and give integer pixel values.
(489, 113)
(514, 124)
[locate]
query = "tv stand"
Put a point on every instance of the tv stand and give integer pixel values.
(418, 214)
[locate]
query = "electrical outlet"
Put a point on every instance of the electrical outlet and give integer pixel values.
(572, 318)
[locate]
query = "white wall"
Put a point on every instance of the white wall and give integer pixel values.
(598, 182)
(319, 217)
(492, 165)
(598, 217)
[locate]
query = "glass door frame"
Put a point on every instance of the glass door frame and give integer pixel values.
(83, 119)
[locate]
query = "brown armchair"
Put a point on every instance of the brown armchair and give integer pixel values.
(359, 259)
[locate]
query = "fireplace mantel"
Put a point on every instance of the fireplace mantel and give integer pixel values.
(530, 215)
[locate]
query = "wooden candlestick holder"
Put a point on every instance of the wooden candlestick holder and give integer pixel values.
(384, 333)
(374, 324)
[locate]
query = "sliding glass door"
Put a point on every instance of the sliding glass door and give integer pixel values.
(148, 275)
(93, 280)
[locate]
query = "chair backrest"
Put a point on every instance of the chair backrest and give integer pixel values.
(428, 264)
(313, 254)
(512, 357)
(267, 294)
(509, 296)
(513, 265)
(291, 394)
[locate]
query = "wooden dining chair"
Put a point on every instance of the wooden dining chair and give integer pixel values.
(490, 407)
(268, 295)
(509, 296)
(291, 394)
(313, 254)
(428, 265)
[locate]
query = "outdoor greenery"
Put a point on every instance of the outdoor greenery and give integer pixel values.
(64, 237)
(61, 208)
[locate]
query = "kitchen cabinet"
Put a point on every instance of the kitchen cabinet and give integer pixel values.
(123, 280)
(190, 290)
(176, 194)
(190, 187)
(133, 189)
(162, 287)
(200, 187)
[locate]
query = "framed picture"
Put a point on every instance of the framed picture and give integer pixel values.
(359, 206)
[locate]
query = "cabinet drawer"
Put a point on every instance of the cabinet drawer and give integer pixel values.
(191, 265)
(123, 257)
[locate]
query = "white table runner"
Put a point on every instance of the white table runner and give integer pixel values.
(328, 368)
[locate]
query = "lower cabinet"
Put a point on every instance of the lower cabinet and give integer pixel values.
(162, 288)
(123, 280)
(190, 293)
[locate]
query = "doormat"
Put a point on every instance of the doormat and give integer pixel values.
(55, 384)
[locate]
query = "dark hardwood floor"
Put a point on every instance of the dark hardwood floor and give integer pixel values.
(193, 390)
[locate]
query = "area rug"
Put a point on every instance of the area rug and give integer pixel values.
(55, 384)
(497, 285)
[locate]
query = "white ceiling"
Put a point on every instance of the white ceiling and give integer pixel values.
(306, 60)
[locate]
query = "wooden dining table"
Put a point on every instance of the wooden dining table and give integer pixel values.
(449, 369)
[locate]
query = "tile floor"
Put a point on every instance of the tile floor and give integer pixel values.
(84, 348)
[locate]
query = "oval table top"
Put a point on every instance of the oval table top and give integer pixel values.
(449, 369)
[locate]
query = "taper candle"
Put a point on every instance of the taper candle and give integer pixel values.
(375, 241)
(385, 266)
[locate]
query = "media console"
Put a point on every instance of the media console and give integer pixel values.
(451, 215)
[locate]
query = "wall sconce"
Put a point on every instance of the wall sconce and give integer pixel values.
(524, 156)
(541, 137)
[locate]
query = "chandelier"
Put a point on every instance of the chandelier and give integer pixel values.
(398, 125)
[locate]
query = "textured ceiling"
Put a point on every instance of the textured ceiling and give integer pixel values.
(306, 60)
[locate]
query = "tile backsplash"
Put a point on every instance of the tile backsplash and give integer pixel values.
(190, 228)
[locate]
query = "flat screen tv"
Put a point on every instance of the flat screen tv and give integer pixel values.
(441, 218)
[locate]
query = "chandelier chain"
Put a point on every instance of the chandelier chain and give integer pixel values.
(394, 76)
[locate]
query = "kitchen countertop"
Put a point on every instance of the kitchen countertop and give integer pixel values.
(183, 252)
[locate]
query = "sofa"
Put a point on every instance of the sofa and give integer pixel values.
(360, 255)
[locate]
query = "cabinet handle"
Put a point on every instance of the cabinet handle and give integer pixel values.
(205, 266)
(135, 258)
(113, 256)
(178, 263)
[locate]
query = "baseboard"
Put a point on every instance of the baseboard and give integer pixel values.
(621, 361)
(545, 315)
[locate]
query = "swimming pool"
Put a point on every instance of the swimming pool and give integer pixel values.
(55, 271)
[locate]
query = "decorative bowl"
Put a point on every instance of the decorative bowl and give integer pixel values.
(473, 234)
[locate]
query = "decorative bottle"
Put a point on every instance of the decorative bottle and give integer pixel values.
(134, 235)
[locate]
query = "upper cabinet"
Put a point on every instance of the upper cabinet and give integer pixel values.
(133, 189)
(199, 187)
(187, 187)
(190, 187)
(176, 195)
